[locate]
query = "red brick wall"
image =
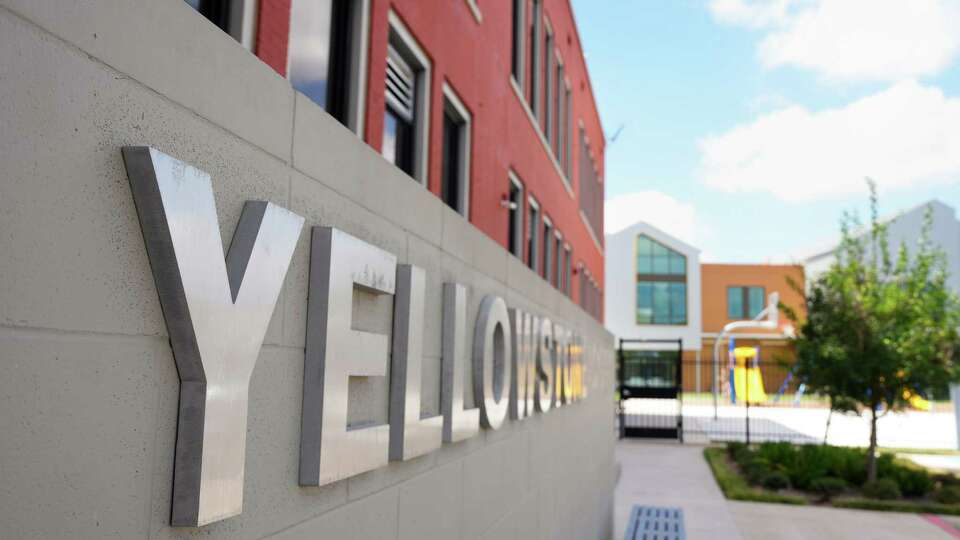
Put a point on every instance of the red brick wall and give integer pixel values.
(273, 31)
(474, 59)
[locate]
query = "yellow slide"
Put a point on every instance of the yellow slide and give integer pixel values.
(917, 402)
(748, 381)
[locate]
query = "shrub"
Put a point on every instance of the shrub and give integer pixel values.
(734, 486)
(947, 495)
(946, 479)
(882, 489)
(776, 481)
(914, 482)
(756, 470)
(828, 486)
(735, 448)
(781, 456)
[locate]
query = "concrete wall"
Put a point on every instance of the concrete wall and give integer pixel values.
(88, 396)
(621, 293)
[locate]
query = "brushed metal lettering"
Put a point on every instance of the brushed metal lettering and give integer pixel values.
(329, 450)
(410, 435)
(524, 370)
(564, 380)
(458, 423)
(492, 361)
(217, 311)
(546, 366)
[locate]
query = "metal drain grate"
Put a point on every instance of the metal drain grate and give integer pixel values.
(655, 523)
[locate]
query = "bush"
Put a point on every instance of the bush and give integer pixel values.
(947, 495)
(776, 481)
(914, 482)
(735, 448)
(882, 489)
(735, 487)
(756, 470)
(946, 479)
(828, 486)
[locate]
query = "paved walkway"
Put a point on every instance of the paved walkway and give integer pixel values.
(666, 474)
(671, 475)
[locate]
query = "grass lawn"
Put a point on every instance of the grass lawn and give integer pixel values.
(734, 483)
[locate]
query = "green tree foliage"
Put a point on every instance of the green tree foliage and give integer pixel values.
(879, 329)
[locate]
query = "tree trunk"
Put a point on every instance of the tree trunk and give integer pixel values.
(826, 432)
(872, 452)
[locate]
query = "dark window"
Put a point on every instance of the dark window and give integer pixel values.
(452, 161)
(557, 277)
(661, 283)
(745, 302)
(536, 21)
(568, 272)
(547, 250)
(558, 110)
(567, 159)
(320, 38)
(516, 58)
(398, 123)
(516, 219)
(547, 120)
(591, 190)
(216, 11)
(532, 236)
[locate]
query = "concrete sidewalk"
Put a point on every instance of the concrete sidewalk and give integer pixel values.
(761, 521)
(669, 474)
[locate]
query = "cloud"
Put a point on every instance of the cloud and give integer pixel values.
(906, 135)
(851, 40)
(751, 13)
(675, 218)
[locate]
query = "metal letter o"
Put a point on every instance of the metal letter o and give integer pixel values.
(492, 361)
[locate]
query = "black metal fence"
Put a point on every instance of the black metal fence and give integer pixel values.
(664, 394)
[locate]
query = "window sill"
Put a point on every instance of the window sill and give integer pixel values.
(475, 9)
(593, 234)
(546, 144)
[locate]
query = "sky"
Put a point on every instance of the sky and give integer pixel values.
(747, 127)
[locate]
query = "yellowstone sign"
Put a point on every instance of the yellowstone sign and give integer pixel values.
(217, 309)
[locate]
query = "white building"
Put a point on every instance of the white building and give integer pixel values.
(655, 283)
(905, 228)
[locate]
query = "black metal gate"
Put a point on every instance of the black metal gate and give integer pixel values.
(650, 376)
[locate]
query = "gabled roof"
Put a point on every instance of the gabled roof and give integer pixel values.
(642, 227)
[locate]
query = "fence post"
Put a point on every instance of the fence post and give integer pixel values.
(746, 398)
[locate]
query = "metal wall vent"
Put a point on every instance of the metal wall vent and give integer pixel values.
(401, 81)
(655, 523)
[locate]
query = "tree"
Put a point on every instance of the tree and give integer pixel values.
(879, 330)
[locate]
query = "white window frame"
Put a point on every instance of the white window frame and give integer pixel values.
(536, 55)
(521, 40)
(568, 269)
(475, 10)
(557, 248)
(359, 59)
(567, 164)
(518, 230)
(559, 85)
(548, 256)
(548, 81)
(421, 63)
(457, 107)
(533, 247)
